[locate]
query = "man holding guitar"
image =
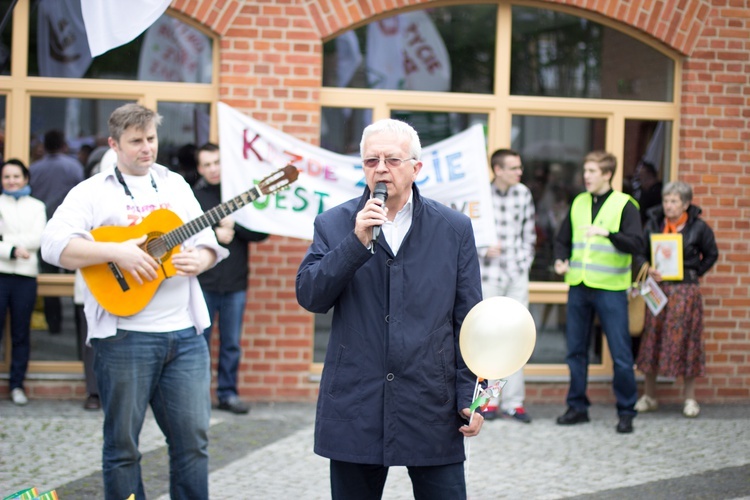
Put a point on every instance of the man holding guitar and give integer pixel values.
(150, 353)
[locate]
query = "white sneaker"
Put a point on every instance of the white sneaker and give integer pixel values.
(646, 404)
(691, 408)
(18, 396)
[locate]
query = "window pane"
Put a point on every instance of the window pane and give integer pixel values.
(550, 345)
(341, 129)
(169, 51)
(552, 150)
(5, 38)
(435, 126)
(2, 126)
(83, 121)
(61, 346)
(184, 127)
(445, 49)
(557, 54)
(646, 161)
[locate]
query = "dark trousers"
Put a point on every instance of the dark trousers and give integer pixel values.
(612, 309)
(17, 296)
(351, 481)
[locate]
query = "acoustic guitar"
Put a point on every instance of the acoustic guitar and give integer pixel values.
(118, 292)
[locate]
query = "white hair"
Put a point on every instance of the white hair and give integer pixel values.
(397, 127)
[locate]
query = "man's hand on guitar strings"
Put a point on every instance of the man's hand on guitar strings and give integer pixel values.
(133, 259)
(192, 261)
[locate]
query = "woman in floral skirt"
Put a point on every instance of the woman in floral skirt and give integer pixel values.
(672, 343)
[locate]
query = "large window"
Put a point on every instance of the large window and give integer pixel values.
(77, 97)
(558, 54)
(444, 49)
(552, 83)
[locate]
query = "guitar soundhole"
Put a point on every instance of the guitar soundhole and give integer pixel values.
(156, 248)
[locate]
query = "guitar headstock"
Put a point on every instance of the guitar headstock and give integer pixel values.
(279, 180)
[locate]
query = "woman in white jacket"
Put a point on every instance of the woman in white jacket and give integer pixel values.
(22, 220)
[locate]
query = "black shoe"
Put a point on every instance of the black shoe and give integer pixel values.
(625, 425)
(573, 417)
(92, 402)
(234, 405)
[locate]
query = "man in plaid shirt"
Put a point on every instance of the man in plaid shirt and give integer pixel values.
(505, 265)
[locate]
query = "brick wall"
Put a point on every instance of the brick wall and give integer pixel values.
(270, 68)
(715, 159)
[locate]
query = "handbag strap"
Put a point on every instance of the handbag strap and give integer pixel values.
(642, 274)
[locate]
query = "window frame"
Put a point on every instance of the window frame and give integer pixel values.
(500, 108)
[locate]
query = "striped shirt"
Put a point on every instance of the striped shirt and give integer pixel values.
(515, 227)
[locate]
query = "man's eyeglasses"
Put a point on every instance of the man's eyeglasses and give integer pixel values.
(518, 168)
(391, 162)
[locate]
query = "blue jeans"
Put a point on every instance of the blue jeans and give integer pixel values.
(612, 310)
(231, 308)
(366, 482)
(170, 372)
(17, 294)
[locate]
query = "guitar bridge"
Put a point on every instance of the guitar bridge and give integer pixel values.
(118, 276)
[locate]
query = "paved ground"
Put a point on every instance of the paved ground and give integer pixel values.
(56, 444)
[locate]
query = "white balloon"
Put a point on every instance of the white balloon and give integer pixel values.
(497, 337)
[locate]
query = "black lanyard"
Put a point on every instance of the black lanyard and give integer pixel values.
(121, 180)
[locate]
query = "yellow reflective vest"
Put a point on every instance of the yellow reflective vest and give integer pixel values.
(595, 261)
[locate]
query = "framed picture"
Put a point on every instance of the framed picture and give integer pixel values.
(666, 255)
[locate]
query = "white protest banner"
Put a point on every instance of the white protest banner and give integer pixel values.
(454, 172)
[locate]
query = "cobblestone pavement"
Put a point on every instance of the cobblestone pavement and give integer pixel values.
(268, 453)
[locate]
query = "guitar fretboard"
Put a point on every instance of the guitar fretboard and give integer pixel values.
(213, 216)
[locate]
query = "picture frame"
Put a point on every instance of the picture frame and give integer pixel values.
(666, 255)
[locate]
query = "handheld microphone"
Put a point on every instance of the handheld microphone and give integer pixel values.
(381, 193)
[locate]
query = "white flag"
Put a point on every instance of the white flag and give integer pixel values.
(111, 23)
(407, 52)
(427, 65)
(385, 54)
(62, 49)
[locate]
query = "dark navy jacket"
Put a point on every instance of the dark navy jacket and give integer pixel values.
(394, 381)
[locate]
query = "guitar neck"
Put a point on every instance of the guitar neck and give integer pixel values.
(210, 218)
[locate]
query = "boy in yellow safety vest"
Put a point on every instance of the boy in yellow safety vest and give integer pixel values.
(593, 250)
